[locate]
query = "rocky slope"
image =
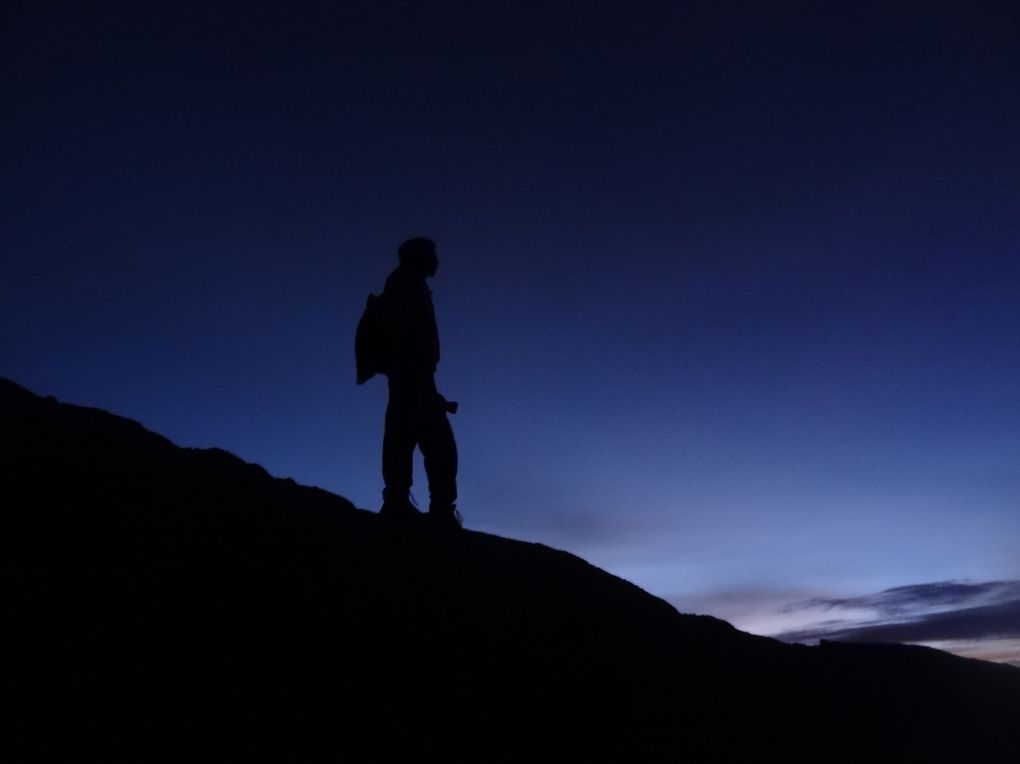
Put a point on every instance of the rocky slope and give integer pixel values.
(163, 602)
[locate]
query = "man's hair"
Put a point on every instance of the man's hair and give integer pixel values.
(413, 248)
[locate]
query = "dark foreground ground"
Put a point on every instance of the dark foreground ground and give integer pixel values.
(170, 603)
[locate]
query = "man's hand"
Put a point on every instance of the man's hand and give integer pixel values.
(450, 407)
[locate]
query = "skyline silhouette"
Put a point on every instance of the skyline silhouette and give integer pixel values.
(171, 598)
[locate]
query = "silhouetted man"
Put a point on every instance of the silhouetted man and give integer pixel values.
(416, 413)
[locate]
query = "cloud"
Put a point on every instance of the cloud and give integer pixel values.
(905, 600)
(987, 622)
(933, 612)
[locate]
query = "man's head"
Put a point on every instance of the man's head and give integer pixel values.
(419, 254)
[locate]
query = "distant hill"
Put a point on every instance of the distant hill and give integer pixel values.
(172, 603)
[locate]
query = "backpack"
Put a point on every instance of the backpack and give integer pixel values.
(372, 344)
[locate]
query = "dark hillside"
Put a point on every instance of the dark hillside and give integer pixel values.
(166, 602)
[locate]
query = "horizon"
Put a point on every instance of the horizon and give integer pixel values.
(729, 295)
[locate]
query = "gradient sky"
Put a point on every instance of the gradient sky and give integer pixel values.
(729, 292)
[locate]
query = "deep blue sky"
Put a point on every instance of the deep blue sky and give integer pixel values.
(729, 292)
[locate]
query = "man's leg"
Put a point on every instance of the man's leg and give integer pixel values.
(440, 451)
(398, 449)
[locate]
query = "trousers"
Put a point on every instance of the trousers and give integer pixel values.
(416, 417)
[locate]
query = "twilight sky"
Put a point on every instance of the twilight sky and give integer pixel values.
(729, 292)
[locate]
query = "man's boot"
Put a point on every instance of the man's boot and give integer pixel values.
(445, 518)
(401, 510)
